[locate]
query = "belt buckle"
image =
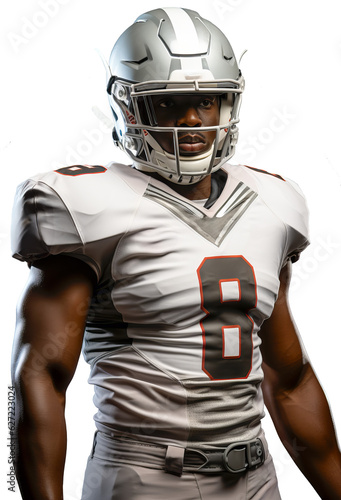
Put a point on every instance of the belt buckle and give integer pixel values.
(245, 450)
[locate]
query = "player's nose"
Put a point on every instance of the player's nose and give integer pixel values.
(188, 117)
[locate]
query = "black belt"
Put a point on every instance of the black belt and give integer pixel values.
(235, 458)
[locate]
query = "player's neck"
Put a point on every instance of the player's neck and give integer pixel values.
(199, 191)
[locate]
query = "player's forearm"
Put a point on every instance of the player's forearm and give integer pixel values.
(41, 439)
(304, 424)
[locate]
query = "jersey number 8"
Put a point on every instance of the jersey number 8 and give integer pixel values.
(228, 292)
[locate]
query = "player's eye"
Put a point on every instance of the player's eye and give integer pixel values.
(207, 103)
(166, 103)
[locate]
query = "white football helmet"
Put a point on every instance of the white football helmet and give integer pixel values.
(172, 51)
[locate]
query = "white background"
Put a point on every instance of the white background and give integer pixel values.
(52, 92)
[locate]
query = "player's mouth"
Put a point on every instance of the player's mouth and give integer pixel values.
(192, 143)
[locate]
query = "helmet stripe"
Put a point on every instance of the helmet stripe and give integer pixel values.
(184, 28)
(186, 36)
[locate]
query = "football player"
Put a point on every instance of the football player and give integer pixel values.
(177, 268)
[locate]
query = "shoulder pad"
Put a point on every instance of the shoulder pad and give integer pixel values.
(41, 224)
(282, 195)
(70, 209)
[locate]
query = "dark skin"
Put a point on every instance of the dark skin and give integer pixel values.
(188, 111)
(193, 110)
(48, 340)
(296, 401)
(50, 324)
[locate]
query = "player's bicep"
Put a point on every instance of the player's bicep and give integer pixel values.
(283, 357)
(51, 319)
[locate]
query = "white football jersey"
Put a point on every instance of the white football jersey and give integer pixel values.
(182, 292)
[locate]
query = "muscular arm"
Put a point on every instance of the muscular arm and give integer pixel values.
(47, 344)
(296, 401)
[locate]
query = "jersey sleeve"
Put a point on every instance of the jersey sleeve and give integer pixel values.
(297, 222)
(42, 224)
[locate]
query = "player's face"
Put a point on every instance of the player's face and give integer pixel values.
(187, 111)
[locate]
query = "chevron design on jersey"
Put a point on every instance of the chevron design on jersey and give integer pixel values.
(215, 228)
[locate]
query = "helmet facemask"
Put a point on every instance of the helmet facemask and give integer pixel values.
(134, 104)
